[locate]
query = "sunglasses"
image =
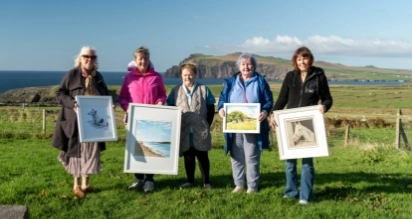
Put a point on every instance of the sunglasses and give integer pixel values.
(89, 57)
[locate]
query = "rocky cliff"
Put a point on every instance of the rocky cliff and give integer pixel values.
(36, 95)
(225, 66)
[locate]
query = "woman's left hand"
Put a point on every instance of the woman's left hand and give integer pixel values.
(159, 103)
(262, 116)
(321, 108)
(114, 107)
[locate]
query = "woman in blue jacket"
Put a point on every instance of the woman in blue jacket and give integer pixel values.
(247, 86)
(305, 86)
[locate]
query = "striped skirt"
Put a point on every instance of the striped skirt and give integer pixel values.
(88, 163)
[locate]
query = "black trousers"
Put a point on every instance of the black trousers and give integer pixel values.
(190, 164)
(140, 176)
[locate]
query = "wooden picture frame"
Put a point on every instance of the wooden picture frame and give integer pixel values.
(153, 138)
(241, 118)
(301, 133)
(95, 119)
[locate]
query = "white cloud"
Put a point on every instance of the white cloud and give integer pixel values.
(323, 45)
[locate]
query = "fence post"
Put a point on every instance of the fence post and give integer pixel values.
(347, 135)
(44, 121)
(398, 123)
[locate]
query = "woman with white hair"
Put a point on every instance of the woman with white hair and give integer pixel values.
(247, 86)
(79, 159)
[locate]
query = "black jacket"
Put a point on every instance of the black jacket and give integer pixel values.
(66, 134)
(295, 94)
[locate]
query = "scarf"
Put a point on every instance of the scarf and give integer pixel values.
(89, 91)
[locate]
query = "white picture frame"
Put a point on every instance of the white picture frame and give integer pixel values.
(95, 119)
(241, 118)
(301, 133)
(152, 139)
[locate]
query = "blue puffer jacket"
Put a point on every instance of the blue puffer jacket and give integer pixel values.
(265, 98)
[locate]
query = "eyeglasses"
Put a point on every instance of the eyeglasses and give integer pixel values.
(93, 57)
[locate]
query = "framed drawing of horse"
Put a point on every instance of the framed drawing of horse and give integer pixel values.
(95, 119)
(241, 118)
(301, 133)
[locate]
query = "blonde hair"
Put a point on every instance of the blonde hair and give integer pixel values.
(191, 66)
(143, 51)
(82, 51)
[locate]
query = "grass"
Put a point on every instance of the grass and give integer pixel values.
(360, 180)
(367, 178)
(250, 125)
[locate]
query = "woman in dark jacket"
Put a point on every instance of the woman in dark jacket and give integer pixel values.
(79, 159)
(304, 86)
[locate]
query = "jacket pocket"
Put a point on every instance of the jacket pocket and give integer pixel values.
(69, 127)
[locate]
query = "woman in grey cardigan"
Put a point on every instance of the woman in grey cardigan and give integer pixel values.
(197, 103)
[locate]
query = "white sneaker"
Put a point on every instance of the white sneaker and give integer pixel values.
(207, 187)
(250, 191)
(136, 184)
(303, 202)
(238, 189)
(148, 186)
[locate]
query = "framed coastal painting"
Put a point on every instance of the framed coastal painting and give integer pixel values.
(301, 133)
(241, 118)
(95, 119)
(152, 139)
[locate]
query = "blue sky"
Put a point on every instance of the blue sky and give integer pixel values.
(153, 131)
(47, 34)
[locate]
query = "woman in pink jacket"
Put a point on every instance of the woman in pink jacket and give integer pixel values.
(142, 85)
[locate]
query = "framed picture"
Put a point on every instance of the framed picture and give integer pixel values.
(153, 138)
(95, 119)
(241, 118)
(301, 133)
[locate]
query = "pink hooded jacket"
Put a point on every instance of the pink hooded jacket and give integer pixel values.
(136, 88)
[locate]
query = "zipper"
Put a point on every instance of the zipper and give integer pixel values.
(302, 87)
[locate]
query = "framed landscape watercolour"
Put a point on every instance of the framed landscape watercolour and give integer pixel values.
(241, 118)
(95, 119)
(152, 139)
(301, 133)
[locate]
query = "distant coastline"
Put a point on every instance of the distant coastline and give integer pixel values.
(22, 79)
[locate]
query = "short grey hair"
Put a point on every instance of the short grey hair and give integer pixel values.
(82, 50)
(246, 56)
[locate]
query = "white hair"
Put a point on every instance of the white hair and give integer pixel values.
(247, 56)
(82, 51)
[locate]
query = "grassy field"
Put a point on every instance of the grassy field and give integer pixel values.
(362, 180)
(250, 125)
(367, 178)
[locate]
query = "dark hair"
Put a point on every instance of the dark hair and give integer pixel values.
(304, 52)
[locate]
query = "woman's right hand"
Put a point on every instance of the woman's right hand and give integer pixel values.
(222, 113)
(273, 122)
(75, 107)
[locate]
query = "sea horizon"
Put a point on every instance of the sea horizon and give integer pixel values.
(15, 79)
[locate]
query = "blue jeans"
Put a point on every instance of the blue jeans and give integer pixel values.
(306, 180)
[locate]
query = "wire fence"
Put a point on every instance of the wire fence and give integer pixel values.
(39, 122)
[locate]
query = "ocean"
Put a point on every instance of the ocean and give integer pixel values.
(19, 79)
(159, 148)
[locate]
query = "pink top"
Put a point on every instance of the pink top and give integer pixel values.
(147, 89)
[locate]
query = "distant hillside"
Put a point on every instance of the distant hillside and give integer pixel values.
(276, 68)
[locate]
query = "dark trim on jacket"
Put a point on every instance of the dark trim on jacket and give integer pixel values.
(66, 135)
